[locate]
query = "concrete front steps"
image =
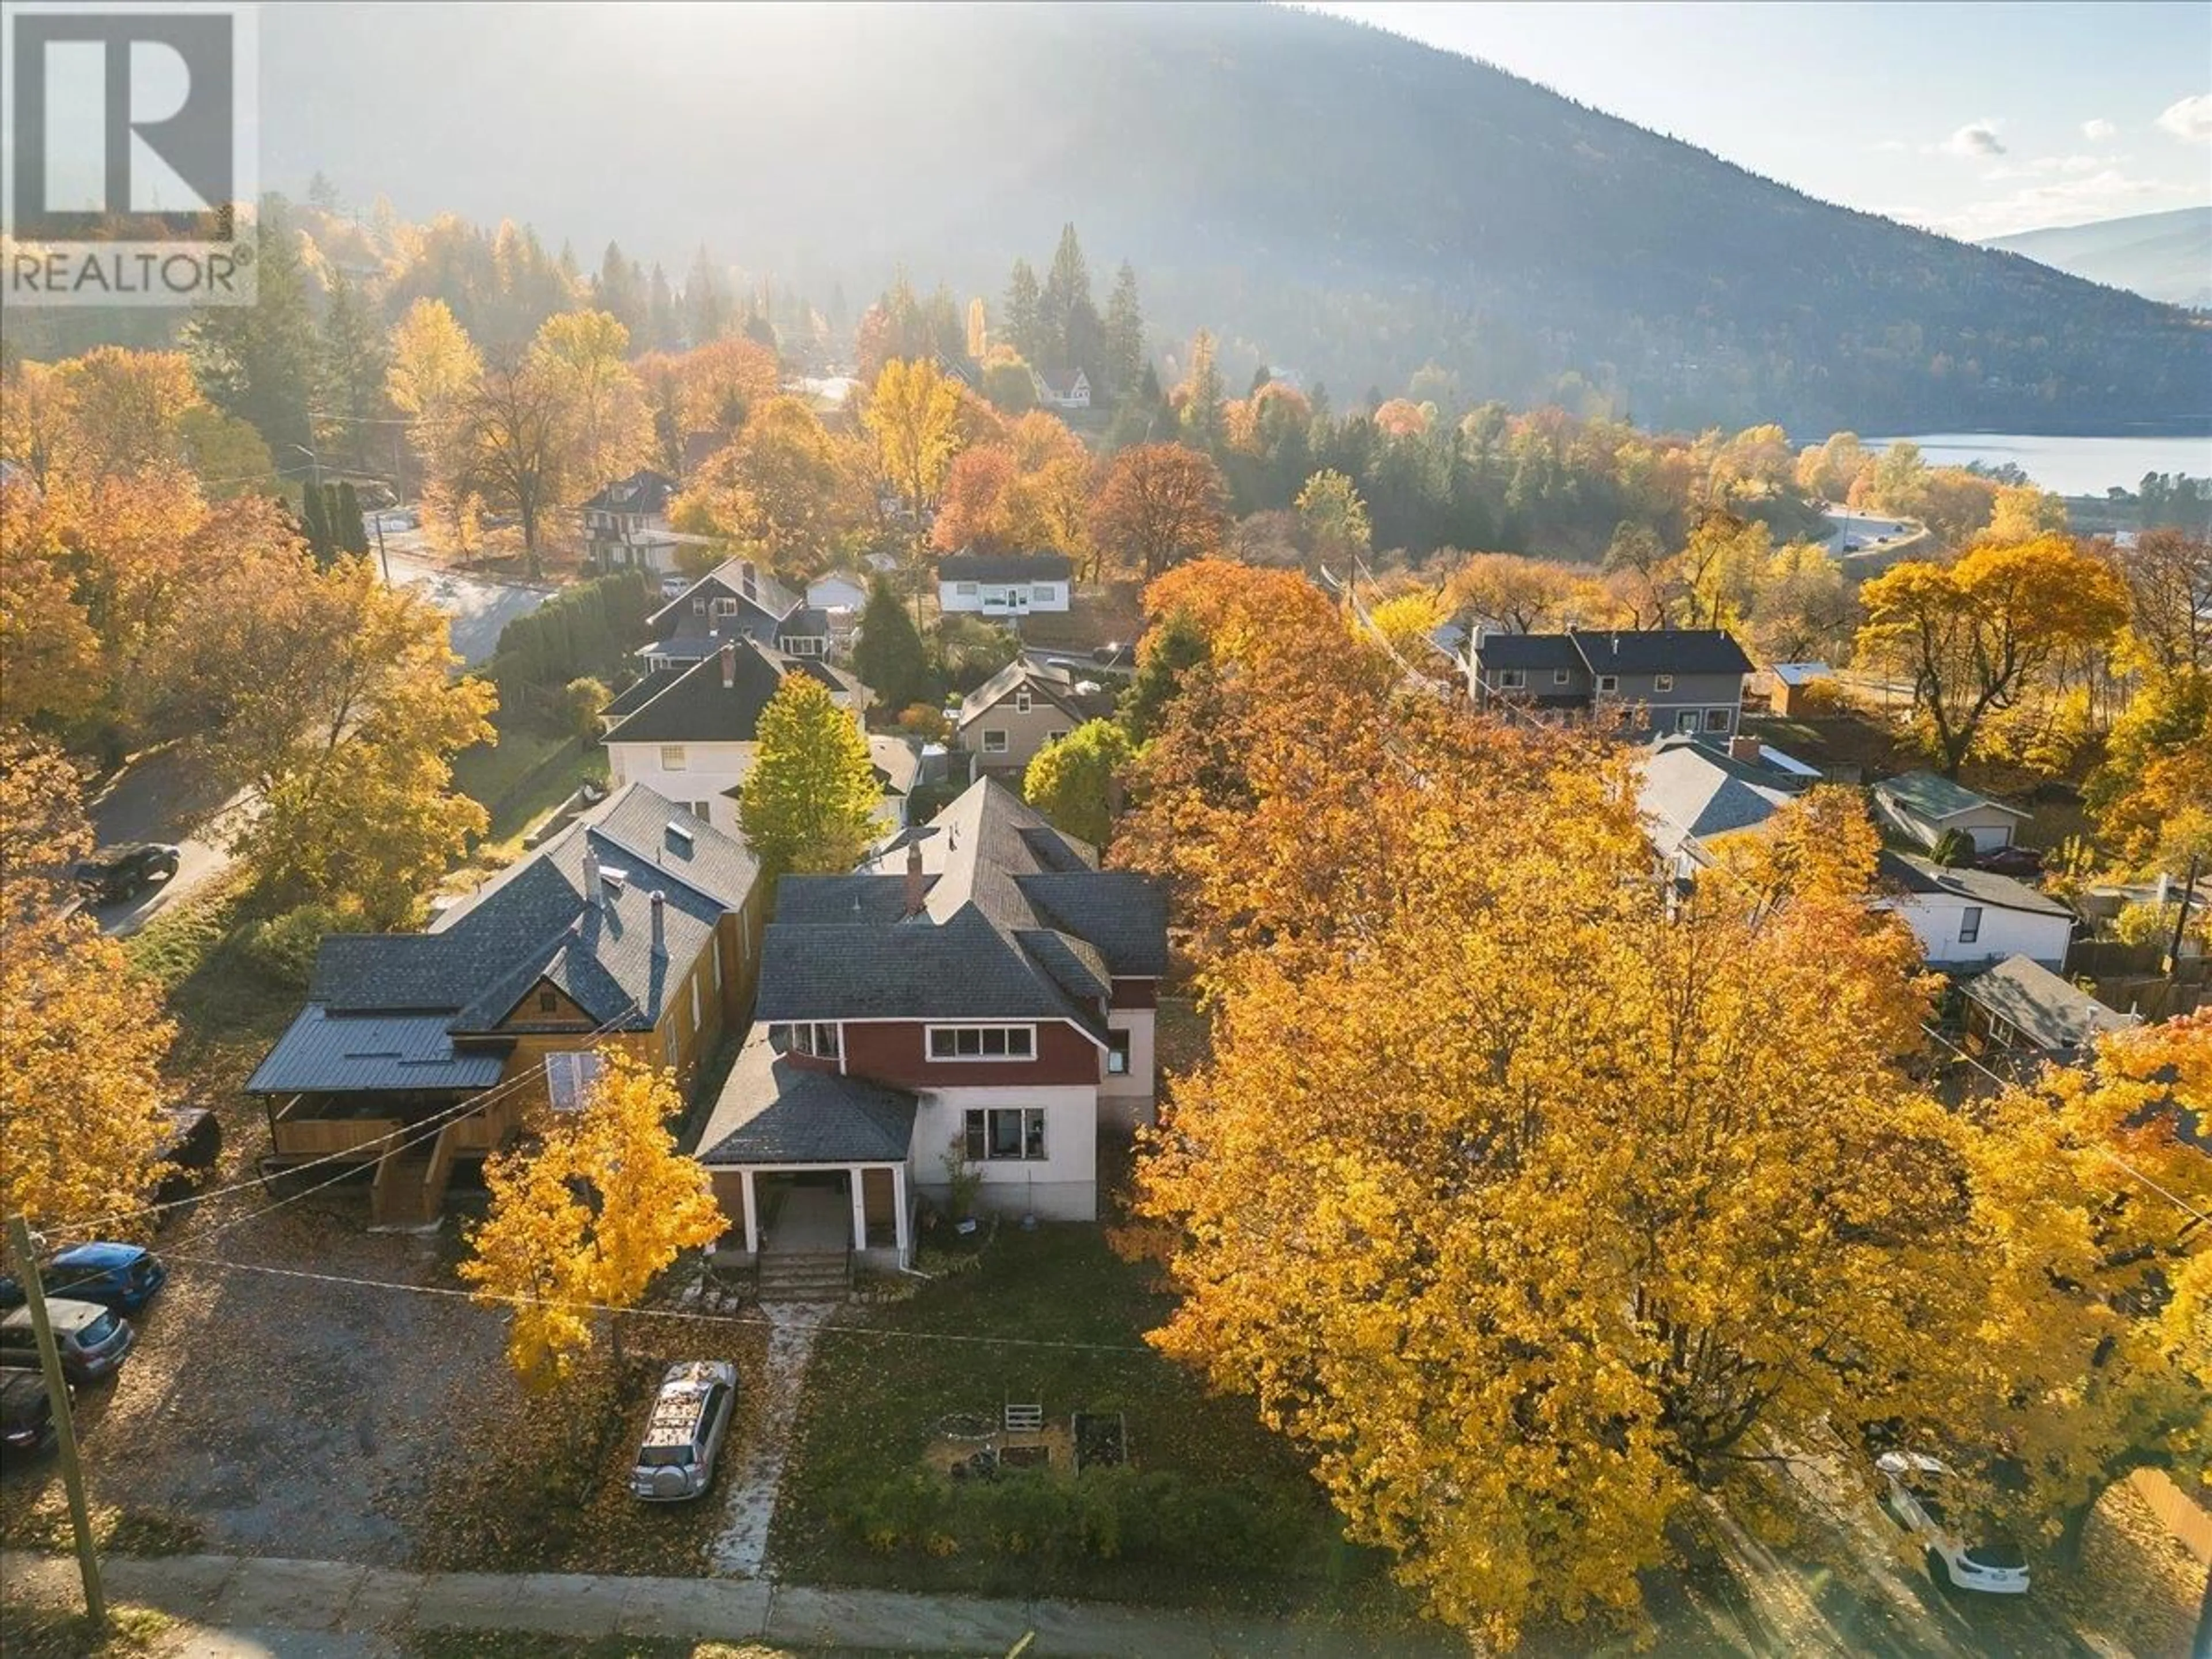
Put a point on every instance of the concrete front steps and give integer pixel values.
(806, 1276)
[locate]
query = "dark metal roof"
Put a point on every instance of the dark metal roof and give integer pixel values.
(1660, 651)
(1004, 568)
(772, 1111)
(1544, 650)
(334, 1053)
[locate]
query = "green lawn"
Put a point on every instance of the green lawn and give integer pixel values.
(1233, 1520)
(524, 776)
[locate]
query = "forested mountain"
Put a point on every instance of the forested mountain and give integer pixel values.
(1343, 205)
(2161, 256)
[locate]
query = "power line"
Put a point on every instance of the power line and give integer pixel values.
(691, 1315)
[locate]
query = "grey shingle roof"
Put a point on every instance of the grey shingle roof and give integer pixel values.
(1017, 922)
(732, 579)
(695, 707)
(640, 691)
(1526, 651)
(773, 1111)
(644, 491)
(1919, 875)
(1694, 792)
(1660, 651)
(1048, 681)
(2049, 1011)
(1004, 568)
(533, 922)
(1926, 795)
(337, 1053)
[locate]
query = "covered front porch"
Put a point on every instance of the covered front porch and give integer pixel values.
(781, 1210)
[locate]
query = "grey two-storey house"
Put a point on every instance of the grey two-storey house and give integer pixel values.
(1641, 684)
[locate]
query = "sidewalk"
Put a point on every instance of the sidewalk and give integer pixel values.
(292, 1609)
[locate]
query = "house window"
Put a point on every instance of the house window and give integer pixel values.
(672, 757)
(698, 607)
(1041, 593)
(1560, 676)
(654, 665)
(1512, 679)
(1970, 924)
(1662, 682)
(1608, 685)
(549, 1001)
(982, 1041)
(820, 1038)
(966, 590)
(716, 959)
(994, 741)
(699, 809)
(569, 1076)
(1001, 1132)
(668, 1043)
(1117, 1054)
(1716, 719)
(694, 1002)
(1022, 700)
(726, 607)
(1687, 720)
(1057, 735)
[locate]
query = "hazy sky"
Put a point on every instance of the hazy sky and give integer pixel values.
(1976, 120)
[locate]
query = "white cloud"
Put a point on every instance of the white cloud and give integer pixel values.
(2190, 120)
(2068, 201)
(1890, 147)
(2099, 130)
(1974, 141)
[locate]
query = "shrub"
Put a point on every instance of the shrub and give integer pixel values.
(583, 700)
(1954, 850)
(925, 722)
(283, 946)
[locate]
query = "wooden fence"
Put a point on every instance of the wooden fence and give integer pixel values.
(2182, 1515)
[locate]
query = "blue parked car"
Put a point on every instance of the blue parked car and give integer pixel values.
(121, 1278)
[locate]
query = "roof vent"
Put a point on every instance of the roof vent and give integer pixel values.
(613, 878)
(682, 832)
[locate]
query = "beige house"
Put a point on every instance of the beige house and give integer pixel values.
(1024, 706)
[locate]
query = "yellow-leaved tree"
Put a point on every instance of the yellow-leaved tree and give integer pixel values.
(82, 1036)
(583, 1216)
(913, 414)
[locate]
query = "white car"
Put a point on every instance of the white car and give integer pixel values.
(691, 1414)
(1912, 1493)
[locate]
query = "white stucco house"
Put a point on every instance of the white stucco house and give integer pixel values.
(1003, 584)
(1968, 919)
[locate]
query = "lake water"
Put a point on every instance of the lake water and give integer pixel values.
(2068, 466)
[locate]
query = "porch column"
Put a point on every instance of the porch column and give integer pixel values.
(898, 1210)
(752, 1209)
(859, 1184)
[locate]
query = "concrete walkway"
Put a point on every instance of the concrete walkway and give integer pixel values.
(299, 1609)
(741, 1547)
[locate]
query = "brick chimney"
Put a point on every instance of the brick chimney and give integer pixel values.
(595, 890)
(729, 664)
(1744, 749)
(915, 888)
(660, 925)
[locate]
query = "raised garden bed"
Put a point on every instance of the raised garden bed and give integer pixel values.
(1101, 1440)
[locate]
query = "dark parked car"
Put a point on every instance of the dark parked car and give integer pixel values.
(27, 1413)
(120, 1277)
(194, 1143)
(92, 1339)
(2021, 863)
(122, 873)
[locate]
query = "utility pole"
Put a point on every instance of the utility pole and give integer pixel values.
(50, 1363)
(2180, 924)
(380, 553)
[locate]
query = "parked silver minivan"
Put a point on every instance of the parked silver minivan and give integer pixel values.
(92, 1339)
(690, 1415)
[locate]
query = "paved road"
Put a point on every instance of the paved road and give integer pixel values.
(158, 797)
(477, 609)
(1874, 536)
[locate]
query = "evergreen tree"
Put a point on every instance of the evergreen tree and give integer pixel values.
(1122, 355)
(347, 528)
(891, 657)
(621, 295)
(353, 364)
(1202, 414)
(1176, 645)
(259, 362)
(1022, 313)
(1260, 376)
(663, 324)
(808, 806)
(706, 302)
(315, 524)
(1067, 316)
